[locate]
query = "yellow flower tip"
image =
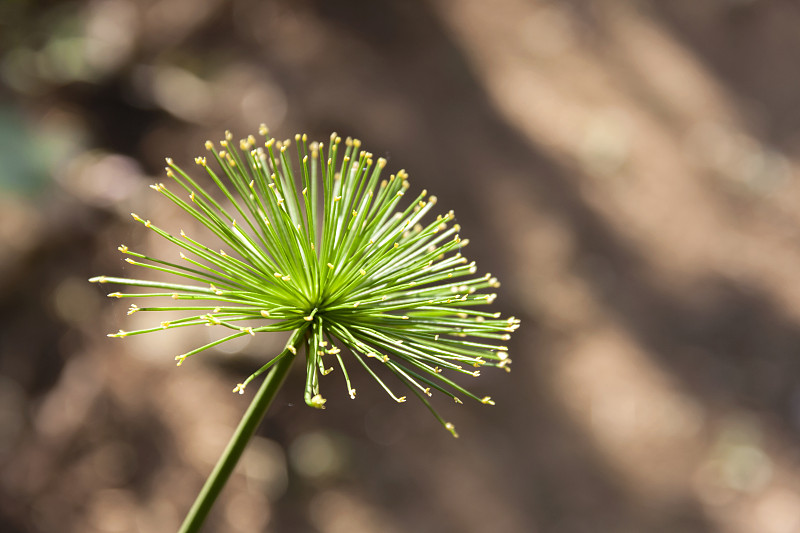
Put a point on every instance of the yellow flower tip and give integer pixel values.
(437, 370)
(122, 248)
(263, 130)
(362, 271)
(457, 400)
(129, 260)
(136, 217)
(115, 295)
(356, 304)
(352, 394)
(168, 160)
(180, 359)
(175, 296)
(120, 334)
(209, 145)
(277, 274)
(401, 399)
(451, 428)
(318, 402)
(265, 313)
(165, 324)
(292, 349)
(228, 135)
(486, 400)
(239, 388)
(308, 318)
(99, 279)
(201, 161)
(287, 278)
(476, 373)
(133, 308)
(327, 371)
(170, 173)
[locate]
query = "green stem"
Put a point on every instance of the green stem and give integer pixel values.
(250, 421)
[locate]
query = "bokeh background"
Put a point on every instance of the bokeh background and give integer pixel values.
(628, 169)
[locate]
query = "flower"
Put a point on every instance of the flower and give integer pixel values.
(322, 247)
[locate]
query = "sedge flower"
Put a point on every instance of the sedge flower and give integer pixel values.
(316, 243)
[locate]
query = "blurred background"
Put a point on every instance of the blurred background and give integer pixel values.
(628, 169)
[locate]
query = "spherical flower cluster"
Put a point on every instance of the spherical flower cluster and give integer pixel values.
(316, 243)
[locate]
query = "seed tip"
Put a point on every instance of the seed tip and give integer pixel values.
(318, 402)
(451, 428)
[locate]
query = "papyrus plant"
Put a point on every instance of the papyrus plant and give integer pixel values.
(315, 242)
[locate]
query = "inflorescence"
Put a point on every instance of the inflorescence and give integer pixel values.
(323, 247)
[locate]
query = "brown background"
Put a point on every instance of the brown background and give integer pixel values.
(629, 170)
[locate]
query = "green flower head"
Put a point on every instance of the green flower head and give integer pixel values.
(317, 244)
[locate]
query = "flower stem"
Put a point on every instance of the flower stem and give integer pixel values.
(250, 421)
